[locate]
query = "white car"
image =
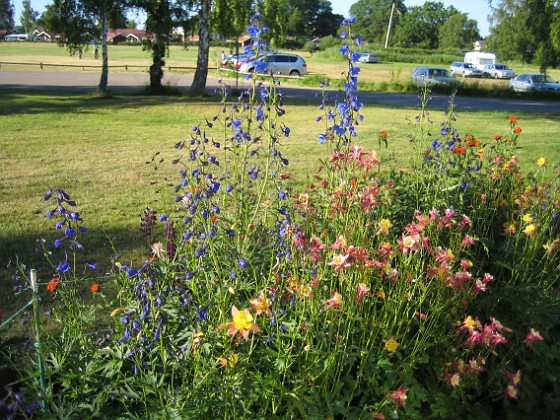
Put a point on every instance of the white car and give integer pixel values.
(498, 71)
(459, 68)
(279, 63)
(368, 58)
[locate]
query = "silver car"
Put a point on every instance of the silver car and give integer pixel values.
(534, 82)
(498, 71)
(458, 68)
(368, 58)
(431, 76)
(278, 63)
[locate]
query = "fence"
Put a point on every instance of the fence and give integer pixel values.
(34, 302)
(126, 67)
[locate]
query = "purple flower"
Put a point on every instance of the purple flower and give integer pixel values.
(63, 267)
(69, 232)
(242, 263)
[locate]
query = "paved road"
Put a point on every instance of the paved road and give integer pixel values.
(133, 82)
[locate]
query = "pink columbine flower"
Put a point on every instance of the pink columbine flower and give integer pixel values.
(363, 290)
(467, 241)
(340, 261)
(335, 301)
(399, 396)
(356, 153)
(340, 243)
(455, 379)
(533, 336)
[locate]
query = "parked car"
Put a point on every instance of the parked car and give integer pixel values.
(430, 76)
(236, 58)
(368, 58)
(498, 71)
(278, 63)
(534, 82)
(459, 68)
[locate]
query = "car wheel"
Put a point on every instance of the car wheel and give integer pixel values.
(294, 73)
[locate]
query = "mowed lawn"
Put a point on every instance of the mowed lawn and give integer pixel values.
(113, 157)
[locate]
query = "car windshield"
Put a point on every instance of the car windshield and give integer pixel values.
(469, 66)
(437, 72)
(543, 78)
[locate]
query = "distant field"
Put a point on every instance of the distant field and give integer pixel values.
(128, 55)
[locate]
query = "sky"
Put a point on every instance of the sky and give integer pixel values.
(476, 9)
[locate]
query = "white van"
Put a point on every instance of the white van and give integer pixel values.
(480, 59)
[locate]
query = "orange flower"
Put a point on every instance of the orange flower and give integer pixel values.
(261, 304)
(497, 137)
(95, 288)
(242, 323)
(512, 119)
(383, 133)
(517, 130)
(53, 284)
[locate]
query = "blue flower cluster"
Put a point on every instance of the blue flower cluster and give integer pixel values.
(69, 222)
(343, 115)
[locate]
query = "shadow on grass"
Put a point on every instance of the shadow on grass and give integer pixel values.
(35, 101)
(33, 250)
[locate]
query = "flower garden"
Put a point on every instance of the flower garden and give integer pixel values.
(371, 293)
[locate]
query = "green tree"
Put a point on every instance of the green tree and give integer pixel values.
(275, 14)
(372, 18)
(159, 25)
(458, 32)
(525, 30)
(419, 27)
(83, 22)
(300, 18)
(28, 16)
(6, 15)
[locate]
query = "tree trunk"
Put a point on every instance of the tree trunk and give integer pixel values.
(201, 73)
(156, 69)
(104, 81)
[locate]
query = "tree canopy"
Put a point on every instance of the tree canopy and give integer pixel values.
(527, 30)
(6, 15)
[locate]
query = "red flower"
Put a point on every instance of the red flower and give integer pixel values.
(53, 284)
(512, 119)
(497, 137)
(517, 130)
(95, 288)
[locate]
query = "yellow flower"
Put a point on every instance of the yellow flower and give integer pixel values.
(229, 362)
(384, 226)
(541, 162)
(242, 323)
(527, 218)
(391, 345)
(530, 230)
(243, 320)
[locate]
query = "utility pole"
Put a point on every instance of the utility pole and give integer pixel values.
(390, 23)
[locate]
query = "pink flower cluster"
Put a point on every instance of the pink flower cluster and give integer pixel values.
(489, 335)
